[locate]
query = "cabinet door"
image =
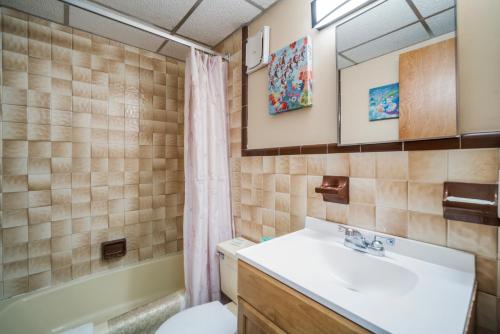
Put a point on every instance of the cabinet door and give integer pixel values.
(286, 309)
(251, 321)
(427, 92)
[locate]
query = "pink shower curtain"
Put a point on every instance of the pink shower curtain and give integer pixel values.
(207, 208)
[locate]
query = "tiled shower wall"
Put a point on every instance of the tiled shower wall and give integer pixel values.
(91, 151)
(398, 193)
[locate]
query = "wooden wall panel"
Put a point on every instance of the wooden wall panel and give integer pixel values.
(427, 92)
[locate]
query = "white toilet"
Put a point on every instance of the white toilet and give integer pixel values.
(213, 317)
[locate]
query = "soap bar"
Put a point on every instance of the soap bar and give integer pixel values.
(469, 200)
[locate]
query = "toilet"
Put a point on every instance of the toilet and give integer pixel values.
(213, 317)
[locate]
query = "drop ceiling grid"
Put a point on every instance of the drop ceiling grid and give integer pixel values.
(81, 19)
(165, 14)
(209, 23)
(175, 50)
(369, 25)
(213, 20)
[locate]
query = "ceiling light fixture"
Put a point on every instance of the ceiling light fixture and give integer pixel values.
(327, 12)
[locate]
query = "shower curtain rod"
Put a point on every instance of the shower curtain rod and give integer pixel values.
(139, 24)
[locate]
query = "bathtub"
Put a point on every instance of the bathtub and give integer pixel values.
(94, 299)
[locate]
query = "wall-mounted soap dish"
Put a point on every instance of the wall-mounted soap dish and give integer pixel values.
(334, 189)
(471, 202)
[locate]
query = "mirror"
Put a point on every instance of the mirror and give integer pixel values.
(397, 72)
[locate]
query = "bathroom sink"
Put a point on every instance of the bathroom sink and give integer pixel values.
(370, 276)
(409, 290)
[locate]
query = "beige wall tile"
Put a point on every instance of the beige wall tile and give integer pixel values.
(316, 164)
(312, 183)
(362, 215)
(316, 208)
(282, 202)
(427, 228)
(362, 165)
(281, 164)
(40, 280)
(361, 191)
(298, 164)
(298, 185)
(337, 213)
(337, 164)
(298, 205)
(425, 197)
(15, 286)
(282, 183)
(486, 271)
(391, 221)
(282, 223)
(428, 166)
(392, 165)
(392, 194)
(486, 311)
(473, 165)
(475, 238)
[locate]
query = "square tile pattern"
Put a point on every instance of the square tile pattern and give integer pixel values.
(92, 134)
(398, 193)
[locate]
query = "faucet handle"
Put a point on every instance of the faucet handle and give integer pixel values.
(388, 240)
(348, 231)
(377, 245)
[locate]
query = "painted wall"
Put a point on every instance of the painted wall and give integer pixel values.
(290, 20)
(479, 94)
(479, 65)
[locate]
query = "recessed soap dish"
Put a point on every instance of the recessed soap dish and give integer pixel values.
(334, 189)
(471, 202)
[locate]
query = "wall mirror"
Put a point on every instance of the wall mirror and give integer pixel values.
(396, 67)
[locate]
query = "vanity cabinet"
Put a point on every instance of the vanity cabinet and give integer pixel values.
(266, 305)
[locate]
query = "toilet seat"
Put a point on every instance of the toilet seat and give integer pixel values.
(206, 318)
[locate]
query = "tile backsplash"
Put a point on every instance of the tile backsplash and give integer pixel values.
(91, 151)
(398, 193)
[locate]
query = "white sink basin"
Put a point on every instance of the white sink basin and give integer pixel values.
(367, 275)
(414, 288)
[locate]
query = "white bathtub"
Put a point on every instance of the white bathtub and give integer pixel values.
(94, 299)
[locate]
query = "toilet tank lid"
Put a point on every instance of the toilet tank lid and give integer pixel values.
(230, 247)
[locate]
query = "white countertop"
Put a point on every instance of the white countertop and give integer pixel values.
(415, 288)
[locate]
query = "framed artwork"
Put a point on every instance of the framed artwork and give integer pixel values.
(384, 102)
(290, 77)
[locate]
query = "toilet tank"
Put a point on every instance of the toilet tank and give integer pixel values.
(229, 265)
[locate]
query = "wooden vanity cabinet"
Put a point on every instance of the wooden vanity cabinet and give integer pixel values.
(268, 306)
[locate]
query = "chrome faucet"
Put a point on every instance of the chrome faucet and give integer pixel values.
(356, 240)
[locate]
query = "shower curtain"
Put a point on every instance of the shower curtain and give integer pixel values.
(207, 207)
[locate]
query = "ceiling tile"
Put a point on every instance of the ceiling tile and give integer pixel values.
(163, 13)
(429, 7)
(343, 63)
(99, 25)
(389, 43)
(175, 50)
(264, 3)
(442, 23)
(386, 17)
(52, 10)
(214, 20)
